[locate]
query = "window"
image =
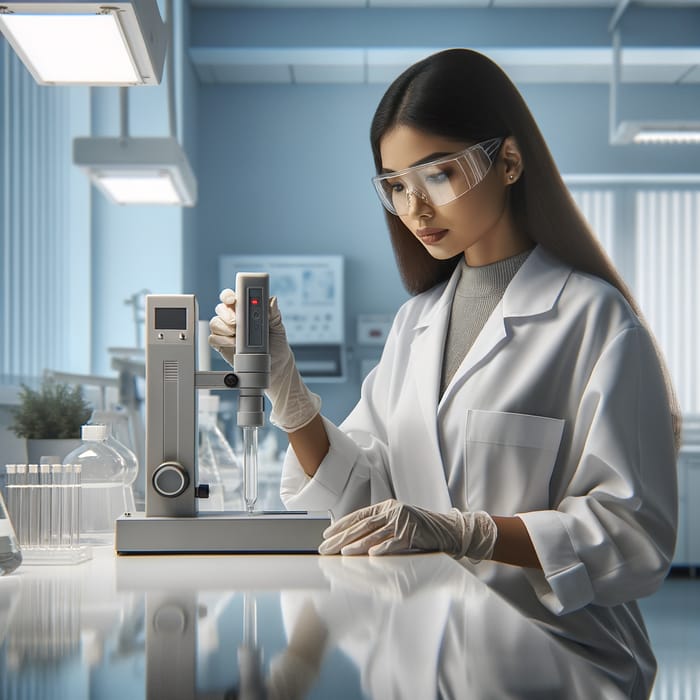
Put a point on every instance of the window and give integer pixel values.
(44, 235)
(651, 233)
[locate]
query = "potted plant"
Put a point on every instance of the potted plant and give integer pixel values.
(50, 419)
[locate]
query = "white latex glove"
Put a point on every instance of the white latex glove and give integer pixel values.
(391, 527)
(293, 405)
(294, 671)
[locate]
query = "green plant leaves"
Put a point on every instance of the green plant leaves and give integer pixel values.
(56, 411)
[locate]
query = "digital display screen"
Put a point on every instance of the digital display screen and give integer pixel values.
(170, 319)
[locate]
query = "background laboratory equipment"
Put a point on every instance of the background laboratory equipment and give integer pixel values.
(172, 521)
(102, 493)
(10, 553)
(217, 463)
(117, 424)
(311, 291)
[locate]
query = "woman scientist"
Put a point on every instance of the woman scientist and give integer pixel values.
(520, 412)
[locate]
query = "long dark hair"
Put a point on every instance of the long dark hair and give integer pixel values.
(464, 96)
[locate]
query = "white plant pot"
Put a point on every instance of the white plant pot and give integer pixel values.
(36, 449)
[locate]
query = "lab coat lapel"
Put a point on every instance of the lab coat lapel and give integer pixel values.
(492, 336)
(428, 483)
(533, 291)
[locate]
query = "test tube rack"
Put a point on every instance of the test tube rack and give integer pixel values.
(43, 501)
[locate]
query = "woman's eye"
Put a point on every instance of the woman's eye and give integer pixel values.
(396, 187)
(438, 177)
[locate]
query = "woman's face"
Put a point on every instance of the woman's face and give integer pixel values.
(478, 223)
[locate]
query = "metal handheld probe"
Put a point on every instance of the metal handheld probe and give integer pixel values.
(252, 365)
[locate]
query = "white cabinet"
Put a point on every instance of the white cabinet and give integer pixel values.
(688, 543)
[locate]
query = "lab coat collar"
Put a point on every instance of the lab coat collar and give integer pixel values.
(437, 310)
(533, 291)
(536, 286)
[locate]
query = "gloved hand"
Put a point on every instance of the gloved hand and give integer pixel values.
(391, 527)
(295, 670)
(293, 405)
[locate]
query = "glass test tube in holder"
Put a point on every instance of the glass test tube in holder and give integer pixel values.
(44, 506)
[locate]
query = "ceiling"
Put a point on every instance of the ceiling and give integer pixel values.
(549, 65)
(258, 4)
(264, 57)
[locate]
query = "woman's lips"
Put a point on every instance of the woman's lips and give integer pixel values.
(430, 236)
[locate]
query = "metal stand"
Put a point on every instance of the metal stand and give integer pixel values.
(225, 533)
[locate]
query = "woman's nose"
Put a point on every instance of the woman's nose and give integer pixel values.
(416, 200)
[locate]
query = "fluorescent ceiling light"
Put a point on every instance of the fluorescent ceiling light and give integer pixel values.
(656, 131)
(660, 132)
(657, 135)
(138, 170)
(79, 42)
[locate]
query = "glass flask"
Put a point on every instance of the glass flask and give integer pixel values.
(217, 465)
(10, 552)
(102, 493)
(118, 425)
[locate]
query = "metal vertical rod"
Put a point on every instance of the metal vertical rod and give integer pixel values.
(124, 112)
(172, 115)
(615, 82)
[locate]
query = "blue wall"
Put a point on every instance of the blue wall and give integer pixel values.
(286, 169)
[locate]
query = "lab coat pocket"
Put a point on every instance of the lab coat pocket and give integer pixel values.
(509, 460)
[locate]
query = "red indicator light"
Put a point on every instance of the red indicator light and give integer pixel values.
(254, 302)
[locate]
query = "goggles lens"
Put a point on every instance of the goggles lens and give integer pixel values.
(439, 182)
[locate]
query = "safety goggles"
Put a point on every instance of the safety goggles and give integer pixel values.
(438, 182)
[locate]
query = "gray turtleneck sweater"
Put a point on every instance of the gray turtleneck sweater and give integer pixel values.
(477, 294)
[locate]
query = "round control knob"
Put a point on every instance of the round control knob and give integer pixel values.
(169, 620)
(170, 479)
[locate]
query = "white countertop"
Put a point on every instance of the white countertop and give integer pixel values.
(268, 627)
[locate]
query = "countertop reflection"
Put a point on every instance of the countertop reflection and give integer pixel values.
(275, 627)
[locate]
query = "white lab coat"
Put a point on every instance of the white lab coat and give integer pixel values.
(558, 413)
(422, 627)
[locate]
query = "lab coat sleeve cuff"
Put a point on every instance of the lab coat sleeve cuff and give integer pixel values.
(563, 585)
(324, 490)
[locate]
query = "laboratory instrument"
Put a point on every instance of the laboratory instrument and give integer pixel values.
(311, 291)
(171, 522)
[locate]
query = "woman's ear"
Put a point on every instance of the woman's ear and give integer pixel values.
(512, 160)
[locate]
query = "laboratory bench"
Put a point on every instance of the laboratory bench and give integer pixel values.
(272, 627)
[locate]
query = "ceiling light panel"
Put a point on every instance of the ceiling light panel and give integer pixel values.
(138, 170)
(72, 43)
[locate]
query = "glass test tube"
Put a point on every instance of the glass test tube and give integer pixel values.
(250, 467)
(64, 491)
(76, 487)
(45, 505)
(22, 512)
(56, 503)
(66, 505)
(32, 505)
(250, 620)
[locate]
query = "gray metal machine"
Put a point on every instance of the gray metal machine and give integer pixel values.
(171, 523)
